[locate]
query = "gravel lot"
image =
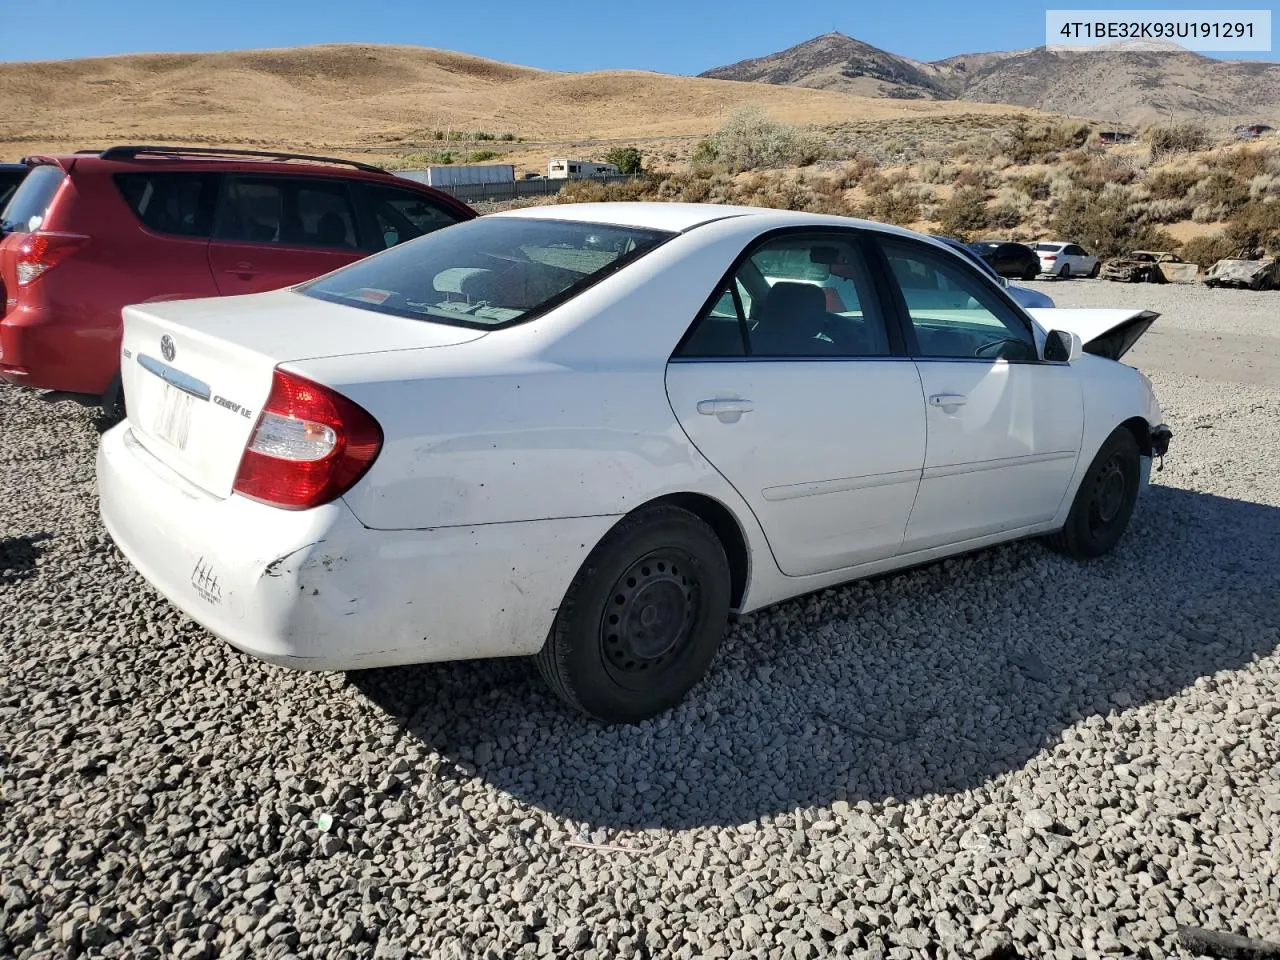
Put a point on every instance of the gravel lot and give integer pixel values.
(1003, 749)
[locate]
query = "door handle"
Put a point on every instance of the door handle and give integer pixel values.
(728, 409)
(945, 400)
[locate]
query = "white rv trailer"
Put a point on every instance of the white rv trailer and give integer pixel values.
(564, 169)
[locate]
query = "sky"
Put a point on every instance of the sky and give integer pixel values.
(670, 36)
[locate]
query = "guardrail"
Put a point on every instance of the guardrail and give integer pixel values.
(518, 189)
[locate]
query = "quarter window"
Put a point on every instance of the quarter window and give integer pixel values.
(180, 204)
(403, 215)
(796, 297)
(955, 314)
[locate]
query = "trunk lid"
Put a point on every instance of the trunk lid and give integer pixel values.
(197, 372)
(1106, 333)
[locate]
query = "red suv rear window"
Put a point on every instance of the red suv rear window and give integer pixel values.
(28, 208)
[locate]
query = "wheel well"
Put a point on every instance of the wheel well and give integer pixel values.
(725, 526)
(1141, 431)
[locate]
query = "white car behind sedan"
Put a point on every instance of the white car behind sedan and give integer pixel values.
(590, 432)
(1065, 260)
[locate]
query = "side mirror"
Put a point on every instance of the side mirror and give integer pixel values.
(1062, 347)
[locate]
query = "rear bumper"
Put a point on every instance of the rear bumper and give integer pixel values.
(317, 590)
(37, 350)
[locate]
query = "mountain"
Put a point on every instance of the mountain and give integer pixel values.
(357, 98)
(1132, 87)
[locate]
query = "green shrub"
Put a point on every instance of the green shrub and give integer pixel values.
(1106, 223)
(965, 214)
(628, 160)
(894, 206)
(1256, 224)
(1174, 138)
(1208, 250)
(1028, 143)
(751, 141)
(1169, 183)
(704, 152)
(480, 156)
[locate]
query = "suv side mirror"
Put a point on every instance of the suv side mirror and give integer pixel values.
(1062, 347)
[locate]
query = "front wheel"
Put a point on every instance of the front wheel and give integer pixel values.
(1104, 503)
(643, 618)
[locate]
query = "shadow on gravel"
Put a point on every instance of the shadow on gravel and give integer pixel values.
(18, 557)
(933, 680)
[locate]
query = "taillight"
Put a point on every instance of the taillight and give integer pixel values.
(1049, 256)
(310, 446)
(41, 252)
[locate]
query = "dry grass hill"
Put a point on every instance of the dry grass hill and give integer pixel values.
(355, 99)
(1124, 87)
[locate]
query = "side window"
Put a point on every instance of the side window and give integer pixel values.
(175, 203)
(1076, 251)
(797, 297)
(288, 211)
(402, 215)
(323, 215)
(252, 210)
(955, 315)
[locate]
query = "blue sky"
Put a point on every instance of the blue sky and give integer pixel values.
(673, 36)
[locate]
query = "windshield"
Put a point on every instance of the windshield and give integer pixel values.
(983, 247)
(489, 272)
(29, 205)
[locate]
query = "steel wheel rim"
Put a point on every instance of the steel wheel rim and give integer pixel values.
(1108, 495)
(649, 617)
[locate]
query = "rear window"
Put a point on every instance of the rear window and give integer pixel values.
(486, 273)
(173, 203)
(29, 206)
(1049, 247)
(9, 180)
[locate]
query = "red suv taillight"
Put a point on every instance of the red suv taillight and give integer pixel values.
(41, 252)
(310, 446)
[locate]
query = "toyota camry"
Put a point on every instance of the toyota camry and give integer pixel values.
(591, 433)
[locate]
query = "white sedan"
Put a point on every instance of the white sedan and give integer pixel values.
(1066, 260)
(591, 432)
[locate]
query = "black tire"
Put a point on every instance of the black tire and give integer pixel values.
(1065, 272)
(643, 618)
(1030, 273)
(113, 410)
(1104, 503)
(1097, 269)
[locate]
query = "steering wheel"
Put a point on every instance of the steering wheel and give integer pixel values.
(986, 350)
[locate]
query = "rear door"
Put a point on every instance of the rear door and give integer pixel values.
(1003, 427)
(274, 231)
(795, 387)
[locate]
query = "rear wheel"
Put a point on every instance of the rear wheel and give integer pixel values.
(1093, 274)
(1065, 272)
(1104, 503)
(643, 618)
(1030, 273)
(113, 410)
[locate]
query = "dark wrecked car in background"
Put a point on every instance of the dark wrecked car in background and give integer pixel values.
(1250, 270)
(1150, 266)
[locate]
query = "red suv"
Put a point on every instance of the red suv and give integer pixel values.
(89, 233)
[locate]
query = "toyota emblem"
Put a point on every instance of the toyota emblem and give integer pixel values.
(167, 349)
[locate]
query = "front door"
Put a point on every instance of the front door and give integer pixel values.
(795, 388)
(275, 231)
(1004, 428)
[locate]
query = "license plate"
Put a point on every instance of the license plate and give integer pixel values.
(173, 422)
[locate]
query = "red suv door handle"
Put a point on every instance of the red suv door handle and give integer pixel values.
(244, 271)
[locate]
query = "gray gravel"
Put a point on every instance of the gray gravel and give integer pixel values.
(1003, 749)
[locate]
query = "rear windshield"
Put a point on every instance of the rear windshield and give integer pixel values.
(28, 207)
(486, 273)
(1050, 247)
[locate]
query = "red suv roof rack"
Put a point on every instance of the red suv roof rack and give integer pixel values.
(129, 152)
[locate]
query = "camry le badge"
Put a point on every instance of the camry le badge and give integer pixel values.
(167, 349)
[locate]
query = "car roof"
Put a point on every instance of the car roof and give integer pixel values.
(679, 217)
(197, 158)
